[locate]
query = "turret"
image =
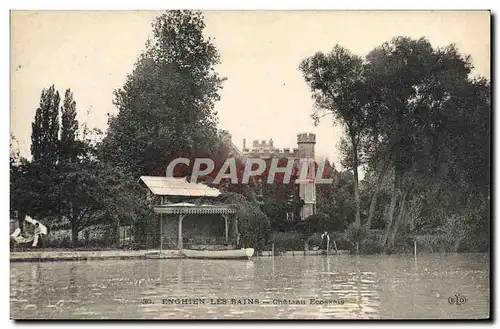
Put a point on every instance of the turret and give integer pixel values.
(307, 190)
(305, 143)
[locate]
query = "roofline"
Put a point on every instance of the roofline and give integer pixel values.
(195, 210)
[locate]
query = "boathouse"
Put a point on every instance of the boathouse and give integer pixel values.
(185, 222)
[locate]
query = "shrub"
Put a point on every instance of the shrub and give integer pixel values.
(145, 231)
(276, 210)
(341, 241)
(60, 242)
(370, 244)
(285, 241)
(316, 223)
(367, 240)
(254, 226)
(315, 240)
(356, 234)
(427, 243)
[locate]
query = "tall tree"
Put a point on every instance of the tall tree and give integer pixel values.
(45, 129)
(414, 85)
(40, 172)
(336, 81)
(92, 193)
(166, 107)
(68, 145)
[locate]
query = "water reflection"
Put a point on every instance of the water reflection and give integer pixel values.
(341, 287)
(73, 285)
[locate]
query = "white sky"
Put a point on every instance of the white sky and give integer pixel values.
(265, 95)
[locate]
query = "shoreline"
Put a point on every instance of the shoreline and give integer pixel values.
(82, 255)
(79, 255)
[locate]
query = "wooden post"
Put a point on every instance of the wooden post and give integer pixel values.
(118, 231)
(415, 248)
(327, 244)
(161, 232)
(226, 228)
(179, 237)
(237, 231)
(273, 257)
(272, 249)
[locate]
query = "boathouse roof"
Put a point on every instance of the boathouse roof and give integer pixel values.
(169, 186)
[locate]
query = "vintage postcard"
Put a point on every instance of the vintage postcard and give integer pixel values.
(186, 164)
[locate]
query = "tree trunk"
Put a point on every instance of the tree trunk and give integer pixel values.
(378, 186)
(395, 226)
(390, 213)
(74, 234)
(116, 232)
(20, 221)
(357, 222)
(457, 244)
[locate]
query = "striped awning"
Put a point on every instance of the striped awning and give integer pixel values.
(192, 209)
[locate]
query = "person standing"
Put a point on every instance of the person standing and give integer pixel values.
(325, 239)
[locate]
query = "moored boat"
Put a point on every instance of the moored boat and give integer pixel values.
(243, 253)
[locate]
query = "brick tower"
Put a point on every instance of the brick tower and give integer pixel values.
(307, 189)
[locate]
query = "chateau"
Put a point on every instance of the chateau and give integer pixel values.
(266, 150)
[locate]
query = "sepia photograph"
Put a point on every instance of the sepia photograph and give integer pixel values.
(250, 164)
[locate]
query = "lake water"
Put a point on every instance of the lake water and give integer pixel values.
(343, 287)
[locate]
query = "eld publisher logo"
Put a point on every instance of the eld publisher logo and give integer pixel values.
(457, 300)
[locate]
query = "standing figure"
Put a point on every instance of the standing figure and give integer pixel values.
(325, 242)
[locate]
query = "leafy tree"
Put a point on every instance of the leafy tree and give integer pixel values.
(423, 136)
(376, 194)
(69, 182)
(317, 223)
(44, 150)
(45, 129)
(254, 226)
(278, 210)
(94, 193)
(91, 192)
(166, 107)
(69, 146)
(460, 188)
(336, 81)
(417, 87)
(337, 200)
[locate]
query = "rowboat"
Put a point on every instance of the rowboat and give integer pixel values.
(243, 253)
